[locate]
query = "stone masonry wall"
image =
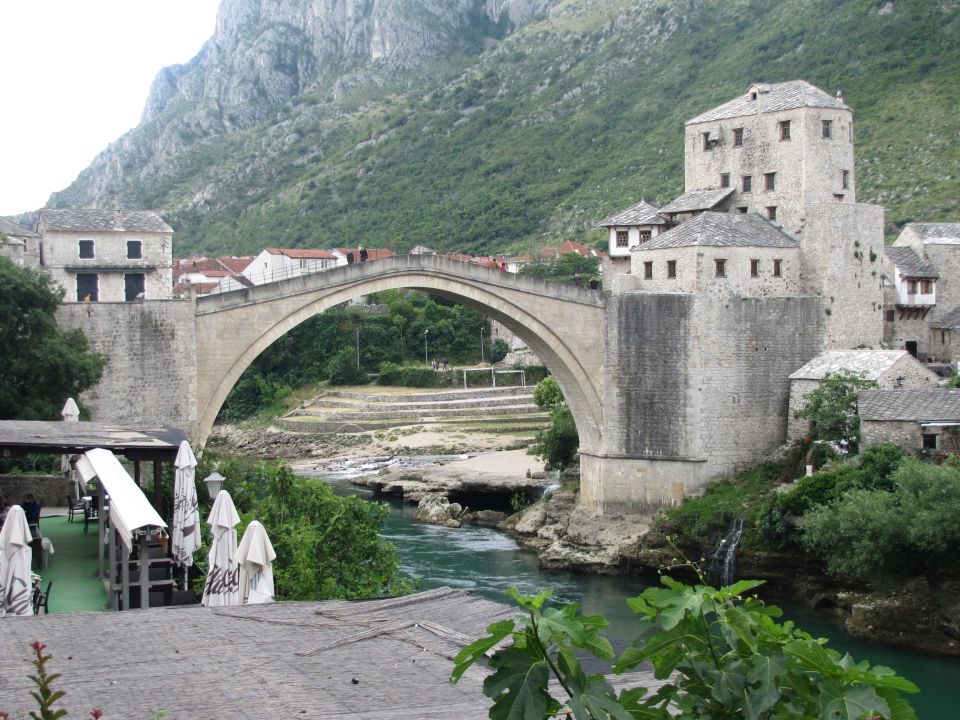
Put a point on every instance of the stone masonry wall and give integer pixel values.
(151, 374)
(905, 434)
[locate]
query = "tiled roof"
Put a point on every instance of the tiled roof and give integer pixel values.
(947, 321)
(772, 98)
(910, 264)
(722, 230)
(569, 246)
(74, 220)
(236, 264)
(643, 213)
(940, 405)
(937, 233)
(11, 229)
(298, 254)
(872, 362)
(697, 200)
(459, 256)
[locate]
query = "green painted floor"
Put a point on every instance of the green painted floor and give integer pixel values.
(72, 567)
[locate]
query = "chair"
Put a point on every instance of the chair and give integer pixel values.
(42, 599)
(74, 506)
(91, 514)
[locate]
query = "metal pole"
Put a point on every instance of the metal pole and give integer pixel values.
(481, 344)
(358, 349)
(425, 360)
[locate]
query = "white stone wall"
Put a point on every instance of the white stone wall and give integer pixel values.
(808, 167)
(905, 434)
(61, 250)
(633, 238)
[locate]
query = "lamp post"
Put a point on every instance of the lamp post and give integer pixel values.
(425, 360)
(357, 331)
(214, 482)
(481, 344)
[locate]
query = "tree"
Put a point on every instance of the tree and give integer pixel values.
(558, 443)
(885, 536)
(40, 364)
(547, 394)
(498, 350)
(832, 407)
(562, 269)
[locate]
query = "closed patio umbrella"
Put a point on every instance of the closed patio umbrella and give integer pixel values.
(222, 586)
(15, 585)
(186, 514)
(70, 413)
(255, 556)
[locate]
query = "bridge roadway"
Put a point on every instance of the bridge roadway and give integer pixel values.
(564, 325)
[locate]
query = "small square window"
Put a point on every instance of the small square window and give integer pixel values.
(85, 249)
(720, 268)
(742, 210)
(134, 249)
(784, 129)
(771, 212)
(845, 179)
(926, 287)
(838, 197)
(645, 236)
(826, 129)
(911, 287)
(738, 137)
(929, 441)
(754, 268)
(770, 181)
(623, 238)
(707, 142)
(888, 316)
(724, 180)
(671, 268)
(778, 268)
(747, 183)
(648, 270)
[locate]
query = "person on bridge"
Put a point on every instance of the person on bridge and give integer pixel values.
(576, 279)
(350, 257)
(363, 254)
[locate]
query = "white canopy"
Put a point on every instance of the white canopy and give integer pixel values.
(255, 556)
(15, 555)
(129, 508)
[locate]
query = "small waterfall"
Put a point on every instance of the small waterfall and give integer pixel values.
(555, 485)
(723, 558)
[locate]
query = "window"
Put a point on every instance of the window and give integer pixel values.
(134, 249)
(784, 129)
(724, 180)
(926, 287)
(770, 181)
(671, 268)
(943, 337)
(929, 441)
(738, 137)
(720, 268)
(826, 129)
(623, 238)
(888, 316)
(742, 209)
(754, 268)
(911, 287)
(133, 287)
(707, 143)
(778, 268)
(645, 236)
(747, 183)
(771, 212)
(838, 197)
(753, 95)
(845, 179)
(87, 287)
(85, 249)
(648, 270)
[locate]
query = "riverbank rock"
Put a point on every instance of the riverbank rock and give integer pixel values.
(438, 510)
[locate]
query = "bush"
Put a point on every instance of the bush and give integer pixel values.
(558, 443)
(547, 394)
(498, 350)
(342, 369)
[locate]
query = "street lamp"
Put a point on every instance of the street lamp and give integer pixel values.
(214, 482)
(481, 343)
(425, 360)
(357, 331)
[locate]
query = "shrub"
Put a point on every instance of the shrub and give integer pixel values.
(498, 350)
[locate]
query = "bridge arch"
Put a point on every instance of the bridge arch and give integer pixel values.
(562, 324)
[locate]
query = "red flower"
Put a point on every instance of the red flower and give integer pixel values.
(96, 714)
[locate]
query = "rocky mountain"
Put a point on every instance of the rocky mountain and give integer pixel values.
(488, 124)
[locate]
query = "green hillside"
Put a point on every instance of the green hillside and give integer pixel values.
(570, 119)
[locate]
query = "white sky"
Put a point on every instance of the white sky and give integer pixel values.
(74, 76)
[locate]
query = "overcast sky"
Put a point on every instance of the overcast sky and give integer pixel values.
(74, 77)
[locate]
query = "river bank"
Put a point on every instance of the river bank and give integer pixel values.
(479, 479)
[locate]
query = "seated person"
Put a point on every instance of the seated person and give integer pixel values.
(31, 508)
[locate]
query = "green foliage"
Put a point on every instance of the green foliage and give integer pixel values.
(40, 364)
(421, 377)
(885, 534)
(547, 394)
(563, 268)
(557, 444)
(722, 654)
(498, 350)
(344, 368)
(832, 407)
(328, 547)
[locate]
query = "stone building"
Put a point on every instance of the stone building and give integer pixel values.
(107, 255)
(917, 419)
(890, 369)
(21, 245)
(629, 228)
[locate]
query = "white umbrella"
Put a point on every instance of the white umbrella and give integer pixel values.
(255, 556)
(15, 584)
(222, 586)
(186, 514)
(70, 413)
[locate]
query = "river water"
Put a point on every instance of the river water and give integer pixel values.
(488, 562)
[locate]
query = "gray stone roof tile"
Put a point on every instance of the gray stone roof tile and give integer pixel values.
(772, 98)
(937, 233)
(872, 362)
(11, 229)
(696, 200)
(910, 264)
(940, 405)
(643, 213)
(948, 321)
(96, 220)
(722, 230)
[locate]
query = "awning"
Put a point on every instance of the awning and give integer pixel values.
(130, 511)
